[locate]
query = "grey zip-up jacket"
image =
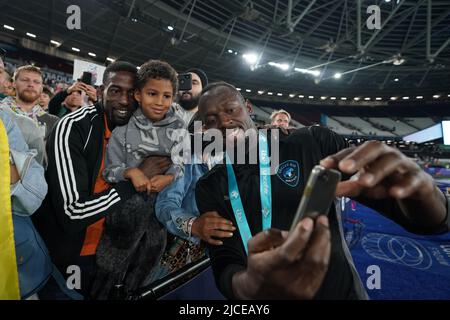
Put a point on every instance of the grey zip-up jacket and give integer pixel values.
(130, 144)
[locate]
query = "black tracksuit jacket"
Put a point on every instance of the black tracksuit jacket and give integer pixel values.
(75, 154)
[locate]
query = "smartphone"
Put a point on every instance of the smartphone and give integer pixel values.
(86, 78)
(184, 82)
(318, 194)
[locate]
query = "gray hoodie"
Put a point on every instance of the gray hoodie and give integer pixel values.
(130, 144)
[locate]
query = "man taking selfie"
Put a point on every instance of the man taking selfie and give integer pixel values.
(313, 260)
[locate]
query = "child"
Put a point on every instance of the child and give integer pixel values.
(150, 131)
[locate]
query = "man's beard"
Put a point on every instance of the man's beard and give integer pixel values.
(189, 104)
(28, 97)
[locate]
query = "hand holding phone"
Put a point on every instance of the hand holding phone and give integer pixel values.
(318, 194)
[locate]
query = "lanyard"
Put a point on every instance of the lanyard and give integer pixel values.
(265, 190)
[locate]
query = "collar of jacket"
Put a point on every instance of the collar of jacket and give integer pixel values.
(11, 102)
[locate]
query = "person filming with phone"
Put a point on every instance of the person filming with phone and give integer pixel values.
(191, 84)
(78, 95)
(312, 260)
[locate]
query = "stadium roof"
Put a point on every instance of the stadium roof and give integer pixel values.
(410, 52)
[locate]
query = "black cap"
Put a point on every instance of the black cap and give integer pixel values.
(201, 74)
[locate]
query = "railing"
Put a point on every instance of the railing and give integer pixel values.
(173, 281)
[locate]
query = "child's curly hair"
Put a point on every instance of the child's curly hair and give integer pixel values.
(157, 69)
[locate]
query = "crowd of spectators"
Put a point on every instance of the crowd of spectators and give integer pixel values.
(118, 201)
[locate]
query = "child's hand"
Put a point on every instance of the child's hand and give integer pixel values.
(160, 182)
(138, 178)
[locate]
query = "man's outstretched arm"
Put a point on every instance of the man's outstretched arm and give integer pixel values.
(384, 173)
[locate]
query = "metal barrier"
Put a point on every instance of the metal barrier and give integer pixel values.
(171, 282)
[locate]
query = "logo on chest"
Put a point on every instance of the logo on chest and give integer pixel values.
(289, 173)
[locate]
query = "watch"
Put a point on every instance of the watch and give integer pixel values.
(11, 159)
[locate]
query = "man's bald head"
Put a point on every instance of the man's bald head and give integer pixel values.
(223, 107)
(220, 90)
